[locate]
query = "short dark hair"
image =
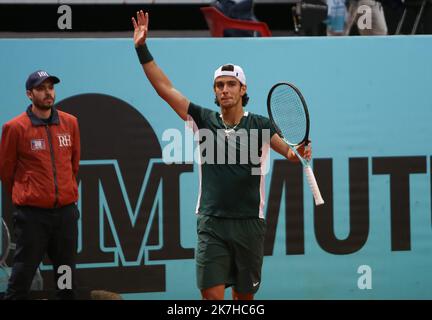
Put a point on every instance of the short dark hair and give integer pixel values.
(245, 100)
(227, 67)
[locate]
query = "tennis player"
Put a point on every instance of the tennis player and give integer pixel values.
(230, 225)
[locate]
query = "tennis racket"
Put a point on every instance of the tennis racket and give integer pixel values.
(289, 114)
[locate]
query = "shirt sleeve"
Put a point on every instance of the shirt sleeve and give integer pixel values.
(267, 124)
(8, 156)
(198, 114)
(76, 151)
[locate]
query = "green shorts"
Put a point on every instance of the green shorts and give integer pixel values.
(230, 251)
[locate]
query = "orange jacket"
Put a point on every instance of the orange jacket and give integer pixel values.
(38, 161)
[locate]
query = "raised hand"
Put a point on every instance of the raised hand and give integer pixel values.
(140, 28)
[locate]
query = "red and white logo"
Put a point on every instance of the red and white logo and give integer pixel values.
(38, 144)
(64, 140)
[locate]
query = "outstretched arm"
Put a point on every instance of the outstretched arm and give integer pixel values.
(155, 75)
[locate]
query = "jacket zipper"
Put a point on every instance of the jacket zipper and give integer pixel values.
(53, 165)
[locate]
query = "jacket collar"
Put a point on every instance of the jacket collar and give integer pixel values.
(54, 119)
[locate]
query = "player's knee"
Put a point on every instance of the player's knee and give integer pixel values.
(212, 294)
(242, 296)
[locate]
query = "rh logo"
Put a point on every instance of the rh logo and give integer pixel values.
(64, 140)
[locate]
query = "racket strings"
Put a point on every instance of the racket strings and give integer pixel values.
(288, 113)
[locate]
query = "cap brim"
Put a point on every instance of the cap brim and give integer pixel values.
(54, 78)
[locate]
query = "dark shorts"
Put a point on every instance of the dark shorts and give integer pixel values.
(230, 251)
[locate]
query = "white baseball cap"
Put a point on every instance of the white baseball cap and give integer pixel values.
(231, 70)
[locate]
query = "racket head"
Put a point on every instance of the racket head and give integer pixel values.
(288, 113)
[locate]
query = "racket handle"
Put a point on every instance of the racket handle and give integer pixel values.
(313, 186)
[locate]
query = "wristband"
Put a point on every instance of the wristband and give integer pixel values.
(144, 54)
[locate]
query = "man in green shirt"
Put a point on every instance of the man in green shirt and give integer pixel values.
(234, 145)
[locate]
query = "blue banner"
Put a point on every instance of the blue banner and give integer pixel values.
(370, 106)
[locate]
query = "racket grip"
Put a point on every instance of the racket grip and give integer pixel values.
(313, 186)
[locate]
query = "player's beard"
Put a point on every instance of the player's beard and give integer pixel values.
(44, 104)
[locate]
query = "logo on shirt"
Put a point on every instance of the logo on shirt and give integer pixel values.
(38, 144)
(64, 140)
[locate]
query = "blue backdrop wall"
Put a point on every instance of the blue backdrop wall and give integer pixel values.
(370, 103)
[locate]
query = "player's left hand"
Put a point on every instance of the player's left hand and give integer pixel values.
(305, 151)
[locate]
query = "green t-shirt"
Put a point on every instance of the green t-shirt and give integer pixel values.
(232, 163)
